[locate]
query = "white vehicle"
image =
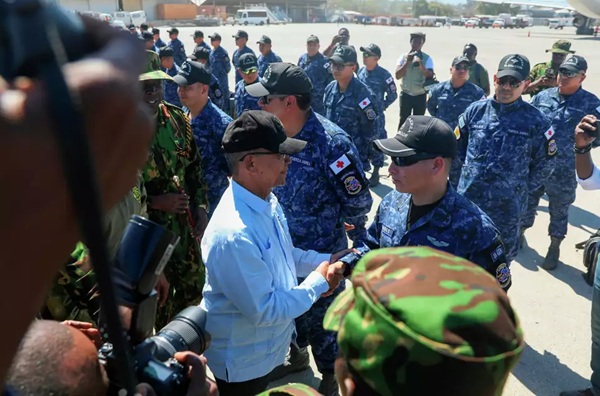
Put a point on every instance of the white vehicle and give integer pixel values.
(118, 25)
(93, 14)
(556, 23)
(107, 18)
(251, 17)
(138, 17)
(122, 16)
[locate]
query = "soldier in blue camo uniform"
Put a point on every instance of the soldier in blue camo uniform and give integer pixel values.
(425, 210)
(158, 43)
(208, 126)
(266, 55)
(317, 68)
(241, 39)
(167, 64)
(381, 82)
(325, 188)
(564, 105)
(350, 104)
(199, 40)
(508, 148)
(178, 49)
(249, 70)
(215, 92)
(449, 99)
(221, 66)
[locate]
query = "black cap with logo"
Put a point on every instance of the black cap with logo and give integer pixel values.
(165, 52)
(147, 36)
(514, 65)
(173, 30)
(372, 50)
(240, 34)
(312, 39)
(575, 64)
(418, 34)
(191, 73)
(256, 129)
(281, 78)
(344, 54)
(200, 52)
(460, 59)
(155, 31)
(264, 40)
(247, 62)
(420, 135)
(198, 33)
(215, 36)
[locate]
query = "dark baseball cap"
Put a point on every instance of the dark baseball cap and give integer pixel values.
(215, 36)
(247, 62)
(198, 33)
(344, 54)
(192, 72)
(575, 64)
(200, 53)
(131, 27)
(281, 78)
(514, 65)
(372, 50)
(418, 34)
(165, 52)
(312, 39)
(173, 30)
(240, 34)
(155, 31)
(264, 40)
(420, 135)
(147, 36)
(256, 129)
(460, 59)
(344, 32)
(470, 45)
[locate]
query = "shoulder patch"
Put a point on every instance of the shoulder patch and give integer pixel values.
(461, 121)
(353, 185)
(340, 164)
(326, 65)
(457, 132)
(364, 103)
(549, 133)
(390, 80)
(551, 147)
(370, 113)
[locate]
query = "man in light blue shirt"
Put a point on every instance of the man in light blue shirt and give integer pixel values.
(251, 294)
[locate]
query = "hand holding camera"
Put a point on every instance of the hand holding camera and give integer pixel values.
(587, 131)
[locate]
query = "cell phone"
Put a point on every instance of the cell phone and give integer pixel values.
(594, 134)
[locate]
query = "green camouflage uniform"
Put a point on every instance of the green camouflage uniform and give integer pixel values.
(174, 153)
(539, 70)
(291, 390)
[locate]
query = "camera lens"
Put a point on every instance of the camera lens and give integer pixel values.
(184, 333)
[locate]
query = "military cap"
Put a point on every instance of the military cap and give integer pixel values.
(514, 65)
(264, 40)
(372, 50)
(147, 36)
(215, 36)
(312, 39)
(240, 34)
(247, 62)
(155, 31)
(153, 70)
(165, 52)
(200, 53)
(418, 321)
(344, 54)
(418, 34)
(281, 78)
(561, 47)
(173, 30)
(131, 26)
(191, 73)
(198, 33)
(460, 59)
(292, 389)
(575, 64)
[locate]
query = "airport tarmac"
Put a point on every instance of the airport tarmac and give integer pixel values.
(554, 307)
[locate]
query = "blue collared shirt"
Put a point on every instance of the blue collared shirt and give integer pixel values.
(251, 295)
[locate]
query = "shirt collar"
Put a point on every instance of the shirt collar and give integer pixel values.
(254, 202)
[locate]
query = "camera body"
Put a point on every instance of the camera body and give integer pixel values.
(596, 133)
(550, 74)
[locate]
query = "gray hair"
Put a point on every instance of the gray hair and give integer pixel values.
(233, 160)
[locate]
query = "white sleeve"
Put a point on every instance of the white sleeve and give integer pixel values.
(592, 182)
(429, 63)
(402, 60)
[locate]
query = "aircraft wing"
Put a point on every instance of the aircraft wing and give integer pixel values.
(558, 4)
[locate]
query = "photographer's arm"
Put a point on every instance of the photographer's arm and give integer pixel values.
(583, 160)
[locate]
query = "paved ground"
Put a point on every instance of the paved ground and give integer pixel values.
(553, 306)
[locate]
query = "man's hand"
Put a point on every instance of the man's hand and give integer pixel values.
(199, 384)
(162, 288)
(410, 56)
(332, 279)
(201, 222)
(348, 227)
(336, 39)
(86, 328)
(171, 203)
(588, 123)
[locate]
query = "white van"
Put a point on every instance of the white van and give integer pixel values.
(107, 18)
(122, 16)
(138, 17)
(251, 17)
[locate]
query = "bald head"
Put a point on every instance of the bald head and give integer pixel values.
(54, 359)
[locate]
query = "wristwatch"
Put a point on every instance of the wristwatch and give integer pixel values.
(582, 150)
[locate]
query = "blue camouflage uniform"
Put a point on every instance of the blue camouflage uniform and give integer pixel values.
(243, 100)
(159, 43)
(318, 70)
(325, 187)
(234, 60)
(178, 51)
(215, 92)
(507, 150)
(355, 112)
(221, 66)
(564, 112)
(263, 62)
(170, 94)
(381, 82)
(203, 45)
(208, 128)
(447, 104)
(455, 225)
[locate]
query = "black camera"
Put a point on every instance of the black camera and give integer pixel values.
(596, 133)
(550, 74)
(143, 254)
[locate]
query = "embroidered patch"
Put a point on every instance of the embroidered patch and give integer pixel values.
(364, 103)
(387, 231)
(503, 275)
(371, 115)
(549, 133)
(339, 164)
(457, 133)
(352, 185)
(552, 147)
(389, 80)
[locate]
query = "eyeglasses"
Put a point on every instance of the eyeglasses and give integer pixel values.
(462, 67)
(251, 70)
(340, 66)
(280, 156)
(413, 159)
(267, 99)
(367, 55)
(567, 73)
(513, 82)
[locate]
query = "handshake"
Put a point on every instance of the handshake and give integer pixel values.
(333, 273)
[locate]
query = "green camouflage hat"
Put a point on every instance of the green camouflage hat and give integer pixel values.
(418, 321)
(561, 47)
(291, 390)
(153, 70)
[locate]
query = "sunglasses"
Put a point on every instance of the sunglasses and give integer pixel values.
(267, 99)
(462, 67)
(411, 160)
(367, 55)
(567, 73)
(340, 66)
(280, 156)
(251, 70)
(513, 82)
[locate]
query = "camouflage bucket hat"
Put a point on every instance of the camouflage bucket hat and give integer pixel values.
(153, 71)
(418, 321)
(291, 390)
(561, 47)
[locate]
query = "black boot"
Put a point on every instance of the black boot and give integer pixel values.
(295, 361)
(374, 180)
(329, 385)
(551, 260)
